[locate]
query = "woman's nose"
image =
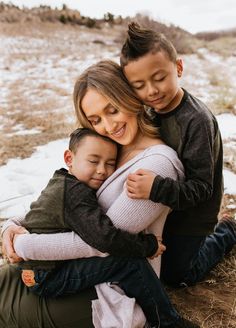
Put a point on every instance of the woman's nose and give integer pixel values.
(110, 126)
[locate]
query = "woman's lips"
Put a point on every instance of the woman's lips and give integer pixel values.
(119, 133)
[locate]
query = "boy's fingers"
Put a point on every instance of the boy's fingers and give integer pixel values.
(131, 195)
(132, 177)
(130, 187)
(140, 172)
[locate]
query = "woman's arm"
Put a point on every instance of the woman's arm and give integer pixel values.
(136, 215)
(57, 246)
(44, 246)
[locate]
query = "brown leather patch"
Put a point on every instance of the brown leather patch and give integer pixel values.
(27, 277)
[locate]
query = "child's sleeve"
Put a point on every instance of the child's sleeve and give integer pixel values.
(85, 217)
(202, 150)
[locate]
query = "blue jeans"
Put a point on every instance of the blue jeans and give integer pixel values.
(188, 259)
(135, 276)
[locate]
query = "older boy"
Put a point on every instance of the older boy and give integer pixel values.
(150, 64)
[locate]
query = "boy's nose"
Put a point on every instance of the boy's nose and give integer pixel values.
(151, 89)
(101, 169)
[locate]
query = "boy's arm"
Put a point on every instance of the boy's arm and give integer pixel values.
(202, 147)
(86, 218)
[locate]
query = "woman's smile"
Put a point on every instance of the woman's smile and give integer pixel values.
(120, 132)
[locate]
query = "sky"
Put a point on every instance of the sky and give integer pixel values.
(193, 16)
(23, 179)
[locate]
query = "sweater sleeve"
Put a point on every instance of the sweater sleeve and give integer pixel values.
(136, 215)
(84, 216)
(198, 157)
(70, 245)
(12, 222)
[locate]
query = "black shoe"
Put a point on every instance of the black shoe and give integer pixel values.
(184, 323)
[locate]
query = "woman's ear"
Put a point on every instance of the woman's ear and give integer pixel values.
(68, 157)
(180, 67)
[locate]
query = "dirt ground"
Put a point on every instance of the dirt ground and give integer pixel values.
(38, 67)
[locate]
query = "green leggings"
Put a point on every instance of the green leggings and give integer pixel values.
(21, 309)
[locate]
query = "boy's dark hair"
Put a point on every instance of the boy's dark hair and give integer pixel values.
(140, 41)
(79, 134)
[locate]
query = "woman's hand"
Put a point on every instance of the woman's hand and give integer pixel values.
(139, 184)
(8, 245)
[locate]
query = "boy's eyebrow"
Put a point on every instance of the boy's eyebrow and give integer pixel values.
(97, 156)
(159, 71)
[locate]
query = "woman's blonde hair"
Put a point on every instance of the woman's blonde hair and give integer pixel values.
(106, 77)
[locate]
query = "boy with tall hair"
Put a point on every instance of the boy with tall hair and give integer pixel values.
(195, 241)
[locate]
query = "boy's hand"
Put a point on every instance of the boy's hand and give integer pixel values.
(139, 184)
(161, 248)
(7, 243)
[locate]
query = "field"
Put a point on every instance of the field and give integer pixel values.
(38, 66)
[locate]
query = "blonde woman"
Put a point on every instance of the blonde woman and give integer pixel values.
(104, 102)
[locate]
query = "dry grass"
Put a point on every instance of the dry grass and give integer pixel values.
(225, 46)
(211, 303)
(225, 98)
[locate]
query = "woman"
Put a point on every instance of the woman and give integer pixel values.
(104, 102)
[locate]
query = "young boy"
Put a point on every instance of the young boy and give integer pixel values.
(149, 62)
(69, 203)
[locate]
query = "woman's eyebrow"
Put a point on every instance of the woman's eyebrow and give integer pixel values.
(103, 109)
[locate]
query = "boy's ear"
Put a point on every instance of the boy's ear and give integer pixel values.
(180, 67)
(68, 156)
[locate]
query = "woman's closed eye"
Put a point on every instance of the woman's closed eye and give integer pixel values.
(112, 110)
(94, 121)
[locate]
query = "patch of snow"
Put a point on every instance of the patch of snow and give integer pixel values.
(229, 182)
(227, 125)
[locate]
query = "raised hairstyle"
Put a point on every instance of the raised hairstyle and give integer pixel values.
(107, 78)
(140, 41)
(79, 134)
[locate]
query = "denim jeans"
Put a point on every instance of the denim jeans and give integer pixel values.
(135, 276)
(188, 259)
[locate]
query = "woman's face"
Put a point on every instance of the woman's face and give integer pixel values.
(108, 120)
